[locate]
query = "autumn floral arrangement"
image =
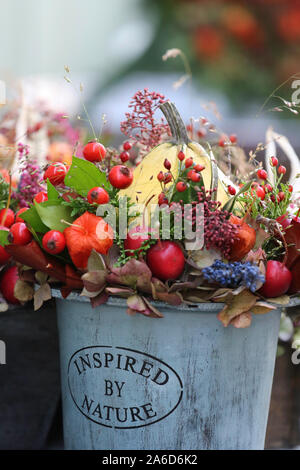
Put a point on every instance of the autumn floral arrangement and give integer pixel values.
(156, 219)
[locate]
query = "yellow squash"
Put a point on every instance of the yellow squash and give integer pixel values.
(145, 183)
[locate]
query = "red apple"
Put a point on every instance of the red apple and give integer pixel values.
(278, 279)
(7, 284)
(166, 260)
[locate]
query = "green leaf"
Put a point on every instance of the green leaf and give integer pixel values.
(3, 237)
(230, 203)
(32, 218)
(52, 215)
(53, 194)
(84, 175)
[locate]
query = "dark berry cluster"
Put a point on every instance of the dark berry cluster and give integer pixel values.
(234, 274)
(219, 232)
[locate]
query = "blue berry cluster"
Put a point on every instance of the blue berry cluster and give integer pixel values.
(234, 274)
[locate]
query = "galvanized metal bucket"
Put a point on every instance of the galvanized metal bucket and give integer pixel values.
(181, 382)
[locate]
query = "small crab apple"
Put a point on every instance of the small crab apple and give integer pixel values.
(181, 186)
(268, 188)
(284, 220)
(167, 178)
(274, 161)
(94, 152)
(19, 234)
(135, 239)
(233, 138)
(260, 192)
(120, 177)
(262, 174)
(222, 142)
(7, 217)
(18, 214)
(189, 162)
(231, 190)
(160, 176)
(124, 156)
(54, 242)
(166, 260)
(281, 170)
(42, 196)
(127, 146)
(167, 164)
(199, 167)
(290, 188)
(56, 173)
(181, 155)
(195, 177)
(98, 195)
(281, 196)
(162, 199)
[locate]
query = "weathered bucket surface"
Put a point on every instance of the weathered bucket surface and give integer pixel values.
(181, 382)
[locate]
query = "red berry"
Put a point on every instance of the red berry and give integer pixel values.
(281, 196)
(127, 146)
(201, 133)
(160, 176)
(195, 177)
(260, 192)
(268, 188)
(166, 260)
(120, 177)
(274, 161)
(278, 280)
(231, 190)
(281, 170)
(167, 178)
(262, 174)
(290, 188)
(233, 138)
(190, 173)
(188, 162)
(124, 156)
(56, 173)
(18, 214)
(94, 152)
(42, 196)
(181, 155)
(7, 217)
(162, 199)
(135, 238)
(199, 167)
(19, 234)
(222, 142)
(54, 242)
(98, 195)
(167, 164)
(7, 284)
(181, 186)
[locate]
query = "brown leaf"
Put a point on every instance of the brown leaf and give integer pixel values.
(240, 303)
(23, 291)
(242, 321)
(41, 295)
(261, 308)
(96, 262)
(119, 291)
(99, 300)
(94, 281)
(282, 300)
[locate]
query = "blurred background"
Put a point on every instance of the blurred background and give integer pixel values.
(237, 52)
(234, 55)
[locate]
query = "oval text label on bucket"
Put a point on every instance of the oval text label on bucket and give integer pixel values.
(122, 388)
